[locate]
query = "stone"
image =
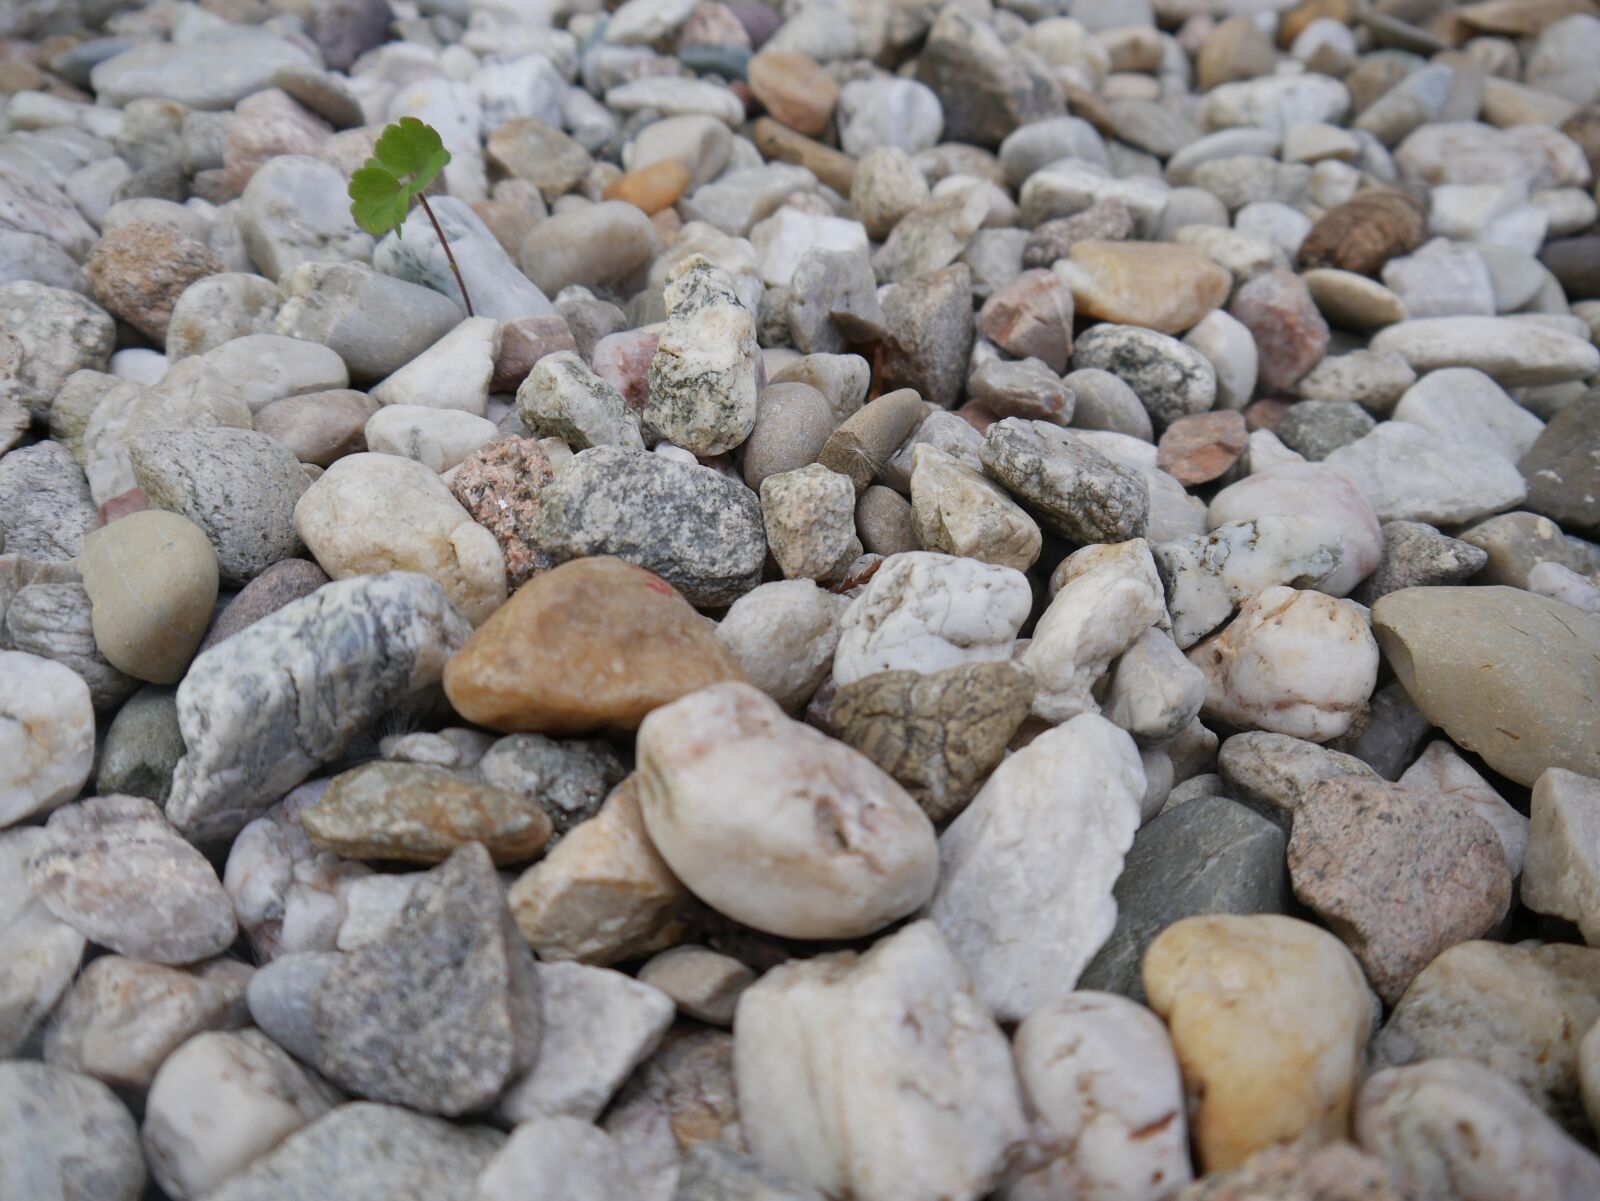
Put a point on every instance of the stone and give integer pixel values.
(45, 507)
(389, 1024)
(1316, 690)
(567, 1155)
(1158, 286)
(138, 271)
(794, 89)
(1291, 336)
(453, 374)
(1441, 771)
(293, 211)
(1022, 931)
(1517, 542)
(598, 1026)
(562, 398)
(123, 1019)
(1208, 855)
(1563, 470)
(365, 644)
(375, 323)
(926, 612)
(793, 421)
(382, 1152)
(43, 951)
(1099, 1076)
(266, 367)
(650, 189)
(1442, 279)
(716, 1172)
(1438, 638)
(1514, 1009)
(1154, 692)
(805, 885)
(1202, 447)
(702, 983)
(783, 635)
(833, 301)
(217, 308)
(142, 747)
(373, 510)
(152, 578)
(1466, 405)
(285, 581)
(930, 327)
(1415, 555)
(1106, 598)
(319, 427)
(938, 735)
(1031, 317)
(1028, 389)
(1510, 351)
(603, 893)
(1103, 402)
(1559, 872)
(568, 780)
(499, 485)
(1443, 867)
(1171, 379)
(1364, 233)
(842, 1016)
(527, 148)
(47, 734)
(65, 1136)
(933, 234)
(960, 512)
(1077, 492)
(418, 813)
(1450, 1124)
(1352, 301)
(603, 245)
(1273, 773)
(809, 517)
(864, 442)
(697, 529)
(439, 439)
(1316, 492)
(219, 1102)
(1316, 428)
(1270, 1016)
(538, 664)
(116, 871)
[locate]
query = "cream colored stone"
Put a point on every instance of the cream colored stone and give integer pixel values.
(1561, 874)
(961, 512)
(453, 373)
(1270, 1017)
(376, 513)
(438, 438)
(1159, 285)
(776, 825)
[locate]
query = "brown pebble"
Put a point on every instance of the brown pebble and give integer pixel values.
(830, 166)
(1364, 232)
(523, 342)
(1203, 446)
(794, 89)
(1265, 414)
(651, 188)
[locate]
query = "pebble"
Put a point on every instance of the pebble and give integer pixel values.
(563, 1154)
(142, 747)
(1441, 769)
(1202, 447)
(294, 211)
(803, 882)
(1418, 555)
(569, 780)
(138, 271)
(854, 1024)
(1077, 492)
(285, 581)
(930, 325)
(1103, 402)
(1129, 1138)
(958, 511)
(114, 869)
(1351, 301)
(1023, 931)
(809, 517)
(375, 323)
(1508, 702)
(1167, 288)
(1269, 1016)
(540, 663)
(44, 952)
(783, 635)
(45, 506)
(1290, 334)
(1316, 428)
(48, 732)
(1365, 232)
(1517, 542)
(1561, 470)
(452, 374)
(1510, 351)
(62, 1134)
(377, 640)
(1559, 871)
(439, 439)
(702, 983)
(1171, 379)
(793, 421)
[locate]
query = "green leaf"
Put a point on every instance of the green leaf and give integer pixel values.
(407, 158)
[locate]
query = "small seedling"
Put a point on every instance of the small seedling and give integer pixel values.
(408, 156)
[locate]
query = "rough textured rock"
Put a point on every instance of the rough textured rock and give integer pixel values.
(1559, 873)
(45, 507)
(64, 1136)
(1076, 491)
(47, 735)
(43, 951)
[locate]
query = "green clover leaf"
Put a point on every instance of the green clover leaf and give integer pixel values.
(407, 158)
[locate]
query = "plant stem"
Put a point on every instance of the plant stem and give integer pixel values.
(460, 283)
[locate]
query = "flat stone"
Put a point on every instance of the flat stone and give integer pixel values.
(930, 327)
(1201, 447)
(803, 883)
(959, 511)
(843, 1016)
(1510, 351)
(63, 1135)
(567, 1155)
(1563, 470)
(1076, 491)
(387, 1029)
(375, 323)
(864, 442)
(207, 74)
(246, 707)
(548, 661)
(1031, 317)
(1517, 542)
(1519, 702)
(115, 870)
(1270, 1015)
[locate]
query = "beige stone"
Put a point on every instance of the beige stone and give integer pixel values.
(1161, 286)
(961, 512)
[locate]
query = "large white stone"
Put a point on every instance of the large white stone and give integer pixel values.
(1024, 895)
(41, 952)
(776, 825)
(1293, 662)
(1208, 576)
(1113, 597)
(1312, 490)
(437, 438)
(879, 1077)
(1101, 1080)
(925, 612)
(1510, 351)
(556, 1157)
(376, 513)
(1410, 473)
(1465, 405)
(1154, 692)
(46, 735)
(787, 236)
(453, 373)
(1561, 874)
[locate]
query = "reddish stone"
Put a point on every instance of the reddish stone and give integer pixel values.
(132, 501)
(623, 361)
(523, 342)
(286, 580)
(977, 416)
(499, 485)
(264, 126)
(1202, 447)
(1031, 317)
(1291, 336)
(1265, 414)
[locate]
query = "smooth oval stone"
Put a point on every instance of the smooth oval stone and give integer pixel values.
(65, 1137)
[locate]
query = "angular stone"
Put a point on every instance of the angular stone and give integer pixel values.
(1076, 491)
(1156, 285)
(959, 511)
(564, 1155)
(1171, 379)
(1031, 317)
(1409, 473)
(1418, 555)
(1291, 336)
(1202, 447)
(930, 327)
(1563, 468)
(1560, 874)
(45, 507)
(1274, 773)
(56, 333)
(681, 1097)
(443, 1010)
(810, 521)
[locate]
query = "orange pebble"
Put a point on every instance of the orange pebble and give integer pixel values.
(651, 188)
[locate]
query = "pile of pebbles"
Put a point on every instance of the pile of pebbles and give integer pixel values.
(991, 601)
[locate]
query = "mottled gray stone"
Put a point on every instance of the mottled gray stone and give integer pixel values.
(1416, 554)
(442, 1011)
(55, 621)
(142, 747)
(1563, 467)
(1074, 489)
(45, 507)
(1171, 379)
(262, 710)
(65, 1137)
(371, 1153)
(1209, 855)
(703, 377)
(1271, 773)
(568, 778)
(697, 529)
(56, 332)
(376, 323)
(833, 302)
(930, 327)
(716, 1172)
(238, 486)
(41, 953)
(1317, 428)
(279, 997)
(561, 397)
(114, 869)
